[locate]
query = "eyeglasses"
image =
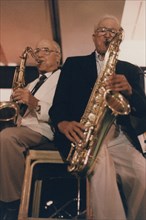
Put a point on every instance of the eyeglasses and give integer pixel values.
(102, 31)
(45, 50)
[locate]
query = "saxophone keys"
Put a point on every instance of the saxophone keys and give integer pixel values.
(92, 117)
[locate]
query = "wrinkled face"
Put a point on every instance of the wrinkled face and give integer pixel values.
(48, 56)
(104, 33)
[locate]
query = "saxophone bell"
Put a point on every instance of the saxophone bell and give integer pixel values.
(9, 110)
(117, 102)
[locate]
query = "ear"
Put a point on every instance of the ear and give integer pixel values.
(93, 37)
(58, 58)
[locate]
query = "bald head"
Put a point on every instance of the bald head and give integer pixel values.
(107, 19)
(48, 54)
(51, 44)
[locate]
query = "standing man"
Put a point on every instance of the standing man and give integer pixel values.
(120, 157)
(32, 129)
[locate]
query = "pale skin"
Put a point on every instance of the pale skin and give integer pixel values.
(46, 63)
(74, 130)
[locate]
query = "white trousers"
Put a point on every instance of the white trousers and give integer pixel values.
(118, 158)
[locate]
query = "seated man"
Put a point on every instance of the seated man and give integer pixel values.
(32, 128)
(120, 155)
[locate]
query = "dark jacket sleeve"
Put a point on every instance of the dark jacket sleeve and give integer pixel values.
(138, 99)
(58, 111)
(73, 90)
(75, 84)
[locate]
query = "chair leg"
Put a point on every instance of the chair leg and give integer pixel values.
(89, 212)
(36, 198)
(24, 204)
(78, 195)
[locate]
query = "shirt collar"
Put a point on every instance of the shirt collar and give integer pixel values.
(99, 63)
(46, 74)
(98, 57)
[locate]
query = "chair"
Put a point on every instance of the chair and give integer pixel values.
(33, 158)
(44, 154)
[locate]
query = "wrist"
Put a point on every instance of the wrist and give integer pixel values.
(38, 107)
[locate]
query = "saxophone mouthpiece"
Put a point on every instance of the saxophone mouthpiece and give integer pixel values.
(107, 42)
(39, 61)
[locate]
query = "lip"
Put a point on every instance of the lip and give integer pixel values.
(107, 42)
(40, 61)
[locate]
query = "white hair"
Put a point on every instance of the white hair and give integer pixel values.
(106, 17)
(56, 46)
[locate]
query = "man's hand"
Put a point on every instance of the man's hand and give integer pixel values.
(72, 130)
(24, 96)
(119, 83)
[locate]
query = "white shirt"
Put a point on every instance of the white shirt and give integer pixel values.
(39, 122)
(99, 63)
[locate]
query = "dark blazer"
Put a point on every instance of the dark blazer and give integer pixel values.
(74, 87)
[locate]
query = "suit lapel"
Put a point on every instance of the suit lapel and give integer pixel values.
(91, 68)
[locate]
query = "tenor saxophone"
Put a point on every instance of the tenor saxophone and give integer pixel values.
(101, 110)
(9, 110)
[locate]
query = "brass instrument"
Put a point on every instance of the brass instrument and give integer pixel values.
(8, 114)
(9, 110)
(102, 108)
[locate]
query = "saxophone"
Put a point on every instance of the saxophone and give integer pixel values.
(101, 110)
(9, 110)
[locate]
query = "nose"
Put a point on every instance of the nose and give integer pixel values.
(108, 34)
(108, 37)
(40, 53)
(39, 57)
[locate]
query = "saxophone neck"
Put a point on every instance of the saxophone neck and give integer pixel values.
(24, 56)
(29, 50)
(19, 79)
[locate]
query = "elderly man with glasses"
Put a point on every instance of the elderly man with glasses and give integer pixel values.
(120, 158)
(32, 128)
